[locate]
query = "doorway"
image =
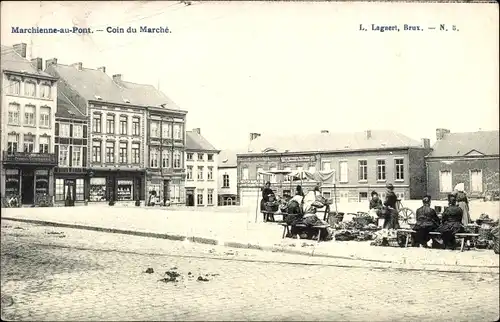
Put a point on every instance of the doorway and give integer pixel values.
(28, 187)
(69, 192)
(190, 198)
(166, 191)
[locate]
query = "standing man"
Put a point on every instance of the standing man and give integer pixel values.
(391, 212)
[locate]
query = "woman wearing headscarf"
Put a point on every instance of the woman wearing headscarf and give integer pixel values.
(463, 203)
(451, 222)
(311, 219)
(266, 192)
(427, 221)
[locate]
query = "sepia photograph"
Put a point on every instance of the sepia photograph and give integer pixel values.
(250, 161)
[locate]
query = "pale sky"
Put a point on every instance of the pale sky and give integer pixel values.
(279, 68)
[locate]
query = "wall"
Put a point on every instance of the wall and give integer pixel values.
(460, 173)
(204, 184)
(417, 172)
(233, 180)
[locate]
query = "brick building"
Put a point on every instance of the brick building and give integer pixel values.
(470, 157)
(363, 162)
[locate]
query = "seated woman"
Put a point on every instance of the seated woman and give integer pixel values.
(311, 202)
(451, 223)
(427, 221)
(375, 205)
(294, 205)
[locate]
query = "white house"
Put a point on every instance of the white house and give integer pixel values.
(201, 170)
(228, 178)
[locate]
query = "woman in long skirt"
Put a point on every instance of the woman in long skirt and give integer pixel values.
(451, 223)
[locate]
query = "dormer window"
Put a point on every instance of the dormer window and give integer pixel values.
(97, 97)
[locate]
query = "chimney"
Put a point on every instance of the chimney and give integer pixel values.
(441, 133)
(253, 136)
(117, 78)
(78, 65)
(20, 49)
(37, 63)
(426, 143)
(102, 69)
(49, 62)
(324, 131)
(197, 130)
(368, 134)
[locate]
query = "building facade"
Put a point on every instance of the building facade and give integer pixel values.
(228, 178)
(28, 121)
(471, 158)
(166, 139)
(363, 162)
(201, 170)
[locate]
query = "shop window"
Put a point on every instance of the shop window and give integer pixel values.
(11, 182)
(97, 189)
(80, 188)
(125, 189)
(59, 189)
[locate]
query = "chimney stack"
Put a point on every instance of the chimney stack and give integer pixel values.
(20, 49)
(324, 131)
(49, 62)
(37, 63)
(102, 69)
(78, 66)
(426, 143)
(253, 136)
(117, 78)
(368, 134)
(197, 130)
(441, 133)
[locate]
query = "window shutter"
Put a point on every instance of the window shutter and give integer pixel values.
(70, 155)
(57, 129)
(84, 157)
(85, 131)
(56, 151)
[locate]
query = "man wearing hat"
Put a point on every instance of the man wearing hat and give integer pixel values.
(427, 221)
(391, 213)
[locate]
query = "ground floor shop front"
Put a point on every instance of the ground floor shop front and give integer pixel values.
(27, 185)
(166, 188)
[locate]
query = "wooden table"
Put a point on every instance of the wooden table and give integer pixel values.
(407, 233)
(287, 227)
(465, 237)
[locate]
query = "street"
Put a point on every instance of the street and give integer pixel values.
(69, 274)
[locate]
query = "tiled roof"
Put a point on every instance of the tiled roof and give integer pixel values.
(461, 144)
(93, 83)
(332, 142)
(227, 158)
(14, 62)
(66, 109)
(196, 142)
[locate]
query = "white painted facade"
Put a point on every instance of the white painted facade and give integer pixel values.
(228, 183)
(202, 177)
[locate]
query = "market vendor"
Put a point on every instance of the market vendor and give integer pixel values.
(390, 209)
(266, 193)
(451, 222)
(427, 221)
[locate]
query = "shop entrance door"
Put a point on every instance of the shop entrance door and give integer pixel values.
(190, 198)
(69, 192)
(166, 191)
(28, 189)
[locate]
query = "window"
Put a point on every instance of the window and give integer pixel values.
(177, 159)
(287, 177)
(14, 87)
(299, 169)
(123, 152)
(136, 126)
(325, 166)
(199, 197)
(45, 116)
(210, 197)
(177, 132)
(273, 176)
(80, 188)
(260, 176)
(154, 129)
(43, 144)
(12, 143)
(153, 157)
(210, 157)
(123, 125)
(343, 172)
(363, 170)
(45, 91)
(29, 115)
(200, 173)
(166, 130)
(445, 181)
(225, 181)
(189, 173)
(200, 156)
(136, 154)
(476, 181)
(327, 194)
(110, 124)
(165, 159)
(64, 130)
(363, 196)
(110, 152)
(77, 157)
(312, 169)
(96, 123)
(96, 151)
(400, 170)
(189, 156)
(210, 173)
(14, 114)
(29, 143)
(244, 174)
(380, 170)
(77, 131)
(63, 155)
(30, 89)
(59, 189)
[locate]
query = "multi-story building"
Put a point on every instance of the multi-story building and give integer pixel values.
(471, 158)
(71, 147)
(363, 162)
(201, 170)
(166, 152)
(28, 117)
(228, 177)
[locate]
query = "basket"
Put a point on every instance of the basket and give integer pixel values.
(485, 233)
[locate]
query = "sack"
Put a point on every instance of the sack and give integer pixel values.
(317, 204)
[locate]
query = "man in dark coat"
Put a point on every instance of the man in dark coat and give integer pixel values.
(391, 212)
(427, 221)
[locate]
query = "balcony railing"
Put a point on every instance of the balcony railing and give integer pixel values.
(29, 158)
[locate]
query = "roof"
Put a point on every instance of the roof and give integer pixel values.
(227, 158)
(14, 62)
(66, 109)
(353, 141)
(196, 142)
(467, 143)
(92, 84)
